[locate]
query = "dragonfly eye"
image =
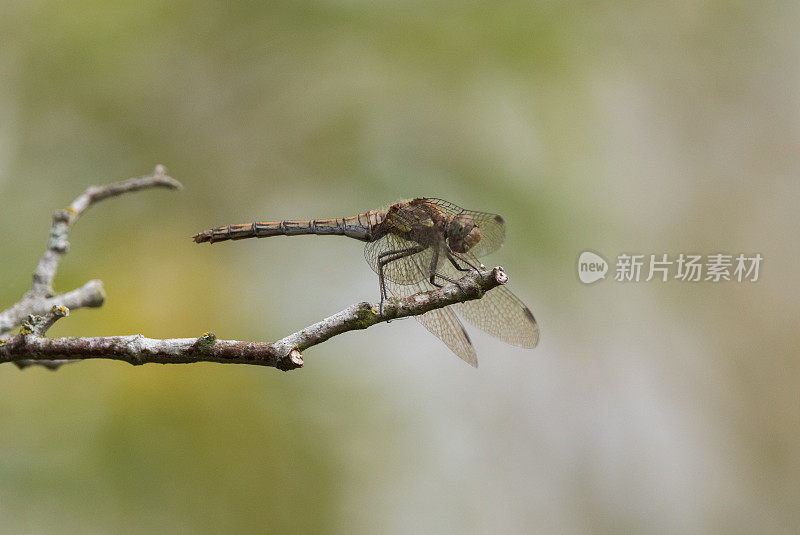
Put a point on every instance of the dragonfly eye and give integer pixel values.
(463, 233)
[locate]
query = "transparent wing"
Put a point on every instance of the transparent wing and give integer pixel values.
(445, 206)
(493, 227)
(442, 323)
(500, 313)
(406, 270)
(493, 232)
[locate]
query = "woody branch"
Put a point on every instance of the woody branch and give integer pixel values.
(41, 307)
(285, 354)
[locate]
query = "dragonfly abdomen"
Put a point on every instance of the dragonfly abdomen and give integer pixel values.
(359, 227)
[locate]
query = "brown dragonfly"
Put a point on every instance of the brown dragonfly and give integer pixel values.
(414, 246)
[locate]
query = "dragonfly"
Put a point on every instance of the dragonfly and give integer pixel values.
(415, 246)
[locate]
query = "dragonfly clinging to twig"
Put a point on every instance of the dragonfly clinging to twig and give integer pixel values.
(416, 245)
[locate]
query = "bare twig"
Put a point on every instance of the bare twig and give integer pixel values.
(90, 294)
(284, 354)
(41, 298)
(38, 326)
(64, 219)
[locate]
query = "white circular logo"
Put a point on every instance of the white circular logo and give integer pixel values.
(591, 267)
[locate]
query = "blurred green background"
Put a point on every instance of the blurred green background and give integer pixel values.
(615, 127)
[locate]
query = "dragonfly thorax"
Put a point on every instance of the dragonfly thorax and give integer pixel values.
(462, 233)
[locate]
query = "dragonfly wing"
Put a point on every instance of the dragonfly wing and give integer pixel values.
(442, 323)
(492, 226)
(445, 206)
(493, 232)
(406, 269)
(500, 313)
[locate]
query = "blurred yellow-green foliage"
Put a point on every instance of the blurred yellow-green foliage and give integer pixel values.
(615, 127)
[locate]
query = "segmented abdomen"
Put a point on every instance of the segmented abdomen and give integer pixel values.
(359, 227)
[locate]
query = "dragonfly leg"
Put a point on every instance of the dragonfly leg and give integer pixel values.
(435, 274)
(434, 263)
(452, 257)
(390, 256)
(382, 286)
(452, 260)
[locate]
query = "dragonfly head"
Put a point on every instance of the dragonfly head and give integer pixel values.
(463, 233)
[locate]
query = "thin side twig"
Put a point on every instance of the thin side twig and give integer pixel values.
(39, 325)
(285, 354)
